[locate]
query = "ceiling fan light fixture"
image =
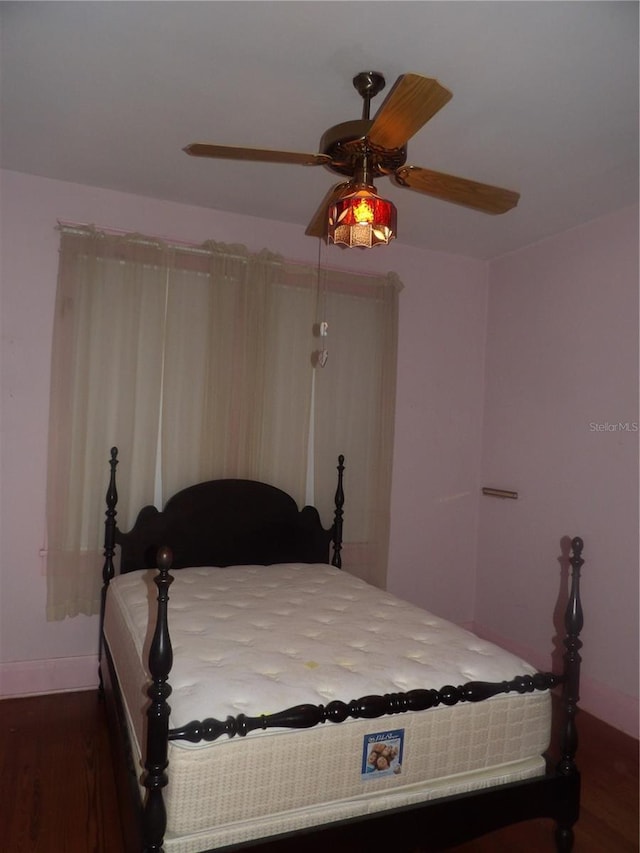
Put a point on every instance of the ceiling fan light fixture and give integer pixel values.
(352, 213)
(362, 219)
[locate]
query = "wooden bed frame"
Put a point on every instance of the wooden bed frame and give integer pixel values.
(242, 522)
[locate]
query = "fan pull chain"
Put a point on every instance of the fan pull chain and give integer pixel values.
(321, 327)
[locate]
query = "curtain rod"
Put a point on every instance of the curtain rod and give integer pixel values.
(135, 237)
(195, 248)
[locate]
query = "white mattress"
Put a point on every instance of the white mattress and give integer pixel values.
(257, 640)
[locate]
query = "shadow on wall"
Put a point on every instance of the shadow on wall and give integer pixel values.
(559, 612)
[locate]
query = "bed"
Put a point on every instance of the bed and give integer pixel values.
(260, 698)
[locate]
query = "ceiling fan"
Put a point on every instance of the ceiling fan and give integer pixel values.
(366, 148)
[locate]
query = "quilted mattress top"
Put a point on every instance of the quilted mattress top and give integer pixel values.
(259, 639)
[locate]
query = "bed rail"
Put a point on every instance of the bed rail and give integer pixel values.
(367, 707)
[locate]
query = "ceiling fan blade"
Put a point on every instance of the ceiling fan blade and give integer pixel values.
(410, 104)
(265, 155)
(481, 197)
(318, 225)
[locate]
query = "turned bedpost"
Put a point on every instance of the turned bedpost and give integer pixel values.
(160, 662)
(109, 550)
(337, 516)
(566, 767)
(573, 621)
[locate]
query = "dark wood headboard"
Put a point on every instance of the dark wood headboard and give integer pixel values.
(224, 523)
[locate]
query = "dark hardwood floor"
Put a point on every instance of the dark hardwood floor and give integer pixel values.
(608, 763)
(57, 791)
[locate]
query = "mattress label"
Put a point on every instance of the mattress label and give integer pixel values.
(382, 754)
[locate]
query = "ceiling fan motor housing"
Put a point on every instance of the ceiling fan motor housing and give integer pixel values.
(348, 146)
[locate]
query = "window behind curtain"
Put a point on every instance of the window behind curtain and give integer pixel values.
(197, 364)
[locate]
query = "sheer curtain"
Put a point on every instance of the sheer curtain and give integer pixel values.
(105, 389)
(237, 389)
(355, 408)
(197, 362)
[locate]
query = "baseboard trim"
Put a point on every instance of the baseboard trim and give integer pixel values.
(58, 675)
(607, 704)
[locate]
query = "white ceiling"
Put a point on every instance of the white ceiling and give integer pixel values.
(545, 103)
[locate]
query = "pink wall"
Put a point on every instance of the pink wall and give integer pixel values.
(562, 356)
(437, 437)
(438, 429)
(560, 353)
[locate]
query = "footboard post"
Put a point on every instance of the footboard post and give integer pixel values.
(571, 695)
(337, 516)
(573, 621)
(160, 662)
(109, 552)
